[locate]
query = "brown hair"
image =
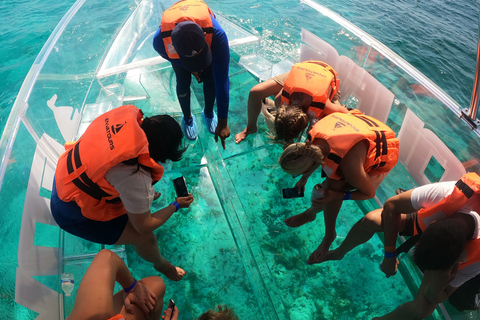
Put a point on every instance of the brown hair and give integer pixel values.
(222, 314)
(290, 122)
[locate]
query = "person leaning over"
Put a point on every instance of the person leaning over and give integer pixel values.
(443, 219)
(304, 93)
(355, 152)
(103, 186)
(190, 38)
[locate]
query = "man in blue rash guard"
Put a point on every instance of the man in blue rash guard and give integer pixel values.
(199, 48)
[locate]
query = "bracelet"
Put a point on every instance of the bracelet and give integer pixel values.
(390, 248)
(390, 254)
(130, 289)
(348, 195)
(176, 204)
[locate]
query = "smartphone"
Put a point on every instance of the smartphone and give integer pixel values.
(171, 305)
(290, 193)
(180, 187)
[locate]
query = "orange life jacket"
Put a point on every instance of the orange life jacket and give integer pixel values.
(185, 10)
(343, 131)
(113, 137)
(465, 188)
(314, 78)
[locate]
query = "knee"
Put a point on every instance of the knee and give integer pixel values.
(373, 220)
(257, 93)
(156, 285)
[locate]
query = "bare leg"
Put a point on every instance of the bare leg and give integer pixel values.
(330, 214)
(157, 286)
(147, 248)
(255, 97)
(360, 233)
(300, 219)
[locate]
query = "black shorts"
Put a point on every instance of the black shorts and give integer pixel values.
(69, 217)
(409, 225)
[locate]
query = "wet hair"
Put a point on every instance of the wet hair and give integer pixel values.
(299, 158)
(164, 137)
(223, 313)
(440, 245)
(290, 122)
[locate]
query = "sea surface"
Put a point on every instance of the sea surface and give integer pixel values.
(438, 37)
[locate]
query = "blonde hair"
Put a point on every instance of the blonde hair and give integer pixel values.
(301, 158)
(290, 121)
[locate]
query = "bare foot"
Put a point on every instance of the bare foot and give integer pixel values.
(239, 137)
(300, 219)
(329, 256)
(170, 271)
(320, 253)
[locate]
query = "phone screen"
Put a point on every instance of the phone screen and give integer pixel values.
(180, 187)
(291, 193)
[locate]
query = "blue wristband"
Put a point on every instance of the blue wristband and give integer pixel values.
(175, 203)
(348, 195)
(127, 290)
(390, 255)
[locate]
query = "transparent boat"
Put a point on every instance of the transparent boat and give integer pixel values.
(232, 241)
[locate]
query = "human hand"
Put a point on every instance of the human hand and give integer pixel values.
(156, 195)
(389, 266)
(222, 131)
(142, 297)
(197, 76)
(168, 314)
(329, 195)
(185, 202)
(300, 185)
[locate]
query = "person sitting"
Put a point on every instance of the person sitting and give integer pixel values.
(310, 87)
(223, 313)
(442, 218)
(95, 300)
(355, 152)
(103, 186)
(190, 38)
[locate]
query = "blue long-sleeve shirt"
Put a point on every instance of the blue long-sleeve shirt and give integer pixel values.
(220, 59)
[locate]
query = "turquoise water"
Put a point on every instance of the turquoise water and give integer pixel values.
(257, 189)
(438, 37)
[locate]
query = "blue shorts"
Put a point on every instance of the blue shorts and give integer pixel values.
(69, 217)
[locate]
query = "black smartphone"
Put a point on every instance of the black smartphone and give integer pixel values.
(180, 187)
(171, 305)
(290, 193)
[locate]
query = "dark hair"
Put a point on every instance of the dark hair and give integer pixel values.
(164, 137)
(440, 245)
(221, 314)
(289, 123)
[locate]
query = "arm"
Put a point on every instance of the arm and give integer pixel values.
(147, 222)
(221, 62)
(392, 217)
(434, 289)
(331, 107)
(95, 294)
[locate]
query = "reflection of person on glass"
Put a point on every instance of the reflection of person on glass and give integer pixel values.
(193, 41)
(107, 199)
(142, 299)
(355, 152)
